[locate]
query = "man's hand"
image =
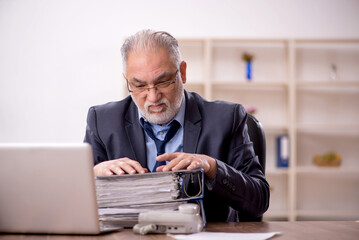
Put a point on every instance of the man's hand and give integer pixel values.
(188, 161)
(118, 166)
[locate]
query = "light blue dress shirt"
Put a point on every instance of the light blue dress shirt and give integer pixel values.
(160, 131)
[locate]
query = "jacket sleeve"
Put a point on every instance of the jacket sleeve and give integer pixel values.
(92, 137)
(240, 179)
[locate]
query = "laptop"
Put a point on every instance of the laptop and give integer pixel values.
(48, 188)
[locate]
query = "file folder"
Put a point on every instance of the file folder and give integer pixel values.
(121, 198)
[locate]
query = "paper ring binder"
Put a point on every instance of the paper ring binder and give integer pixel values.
(200, 186)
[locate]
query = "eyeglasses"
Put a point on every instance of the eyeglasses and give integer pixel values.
(139, 88)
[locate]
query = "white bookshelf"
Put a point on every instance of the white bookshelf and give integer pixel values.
(296, 92)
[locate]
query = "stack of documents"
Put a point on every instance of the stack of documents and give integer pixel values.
(121, 198)
(127, 216)
(133, 189)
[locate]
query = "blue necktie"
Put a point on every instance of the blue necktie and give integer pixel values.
(160, 145)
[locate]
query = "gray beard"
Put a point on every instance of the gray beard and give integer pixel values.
(171, 110)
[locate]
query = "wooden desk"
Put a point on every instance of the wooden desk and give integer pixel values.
(290, 230)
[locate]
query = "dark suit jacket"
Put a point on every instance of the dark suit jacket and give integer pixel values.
(217, 129)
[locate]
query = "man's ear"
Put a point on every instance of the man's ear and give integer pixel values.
(183, 69)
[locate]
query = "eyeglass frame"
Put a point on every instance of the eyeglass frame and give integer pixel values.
(156, 87)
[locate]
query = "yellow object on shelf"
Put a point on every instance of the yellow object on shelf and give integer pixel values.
(332, 159)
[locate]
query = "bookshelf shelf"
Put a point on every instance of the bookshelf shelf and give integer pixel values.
(255, 86)
(332, 171)
(278, 129)
(307, 89)
(277, 171)
(329, 129)
(340, 84)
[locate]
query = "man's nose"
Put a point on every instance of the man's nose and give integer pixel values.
(153, 95)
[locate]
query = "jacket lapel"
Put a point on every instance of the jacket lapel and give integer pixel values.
(192, 125)
(135, 135)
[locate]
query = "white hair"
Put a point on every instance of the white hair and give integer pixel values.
(150, 40)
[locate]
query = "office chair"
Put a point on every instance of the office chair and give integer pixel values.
(257, 136)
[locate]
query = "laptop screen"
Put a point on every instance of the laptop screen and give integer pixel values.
(47, 188)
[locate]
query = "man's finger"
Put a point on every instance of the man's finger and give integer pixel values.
(166, 157)
(128, 168)
(183, 164)
(194, 165)
(137, 166)
(118, 171)
(106, 172)
(173, 162)
(160, 168)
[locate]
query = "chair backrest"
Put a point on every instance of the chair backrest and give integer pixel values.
(257, 136)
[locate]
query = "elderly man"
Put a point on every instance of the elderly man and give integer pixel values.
(161, 127)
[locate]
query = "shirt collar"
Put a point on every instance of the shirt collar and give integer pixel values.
(179, 117)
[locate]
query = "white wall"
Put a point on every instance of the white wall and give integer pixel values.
(59, 57)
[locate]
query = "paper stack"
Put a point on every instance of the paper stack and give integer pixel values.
(121, 198)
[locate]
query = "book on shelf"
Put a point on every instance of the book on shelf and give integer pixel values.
(121, 198)
(283, 151)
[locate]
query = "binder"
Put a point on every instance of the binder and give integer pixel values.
(121, 198)
(283, 151)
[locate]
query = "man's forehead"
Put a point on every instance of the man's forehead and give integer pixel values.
(150, 64)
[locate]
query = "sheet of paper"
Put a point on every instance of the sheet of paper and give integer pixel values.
(228, 236)
(138, 208)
